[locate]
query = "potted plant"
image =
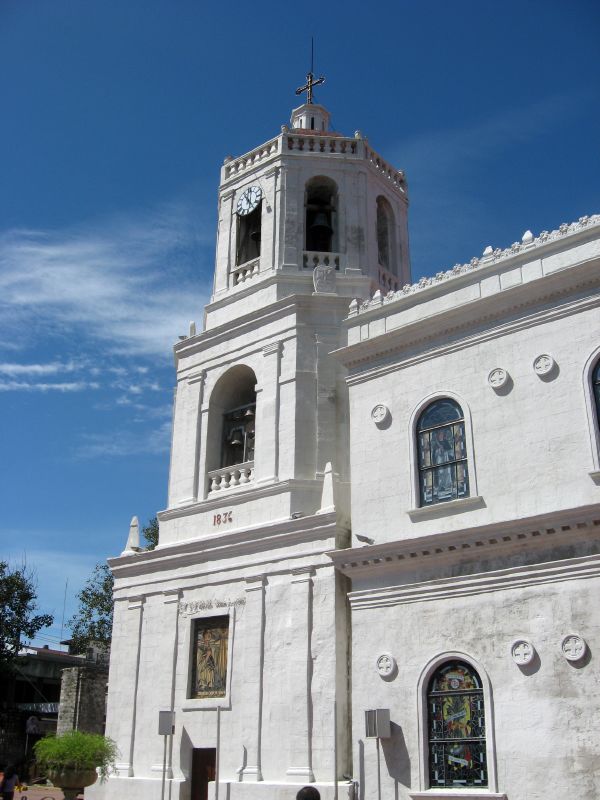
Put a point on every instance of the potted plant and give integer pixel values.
(73, 760)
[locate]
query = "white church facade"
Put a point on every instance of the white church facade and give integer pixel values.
(379, 567)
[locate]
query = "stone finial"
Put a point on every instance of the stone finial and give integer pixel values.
(353, 307)
(133, 540)
(489, 250)
(192, 328)
(358, 135)
(527, 237)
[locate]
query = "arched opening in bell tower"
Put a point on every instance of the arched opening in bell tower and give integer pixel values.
(248, 236)
(232, 413)
(321, 215)
(385, 236)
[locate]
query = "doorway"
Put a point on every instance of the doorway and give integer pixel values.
(203, 770)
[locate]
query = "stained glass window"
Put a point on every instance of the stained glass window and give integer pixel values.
(442, 453)
(456, 727)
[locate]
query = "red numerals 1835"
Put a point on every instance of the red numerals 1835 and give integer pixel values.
(222, 519)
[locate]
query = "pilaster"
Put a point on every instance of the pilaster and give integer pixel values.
(267, 408)
(254, 632)
(187, 429)
(270, 220)
(165, 689)
(300, 677)
(224, 242)
(293, 219)
(326, 401)
(123, 726)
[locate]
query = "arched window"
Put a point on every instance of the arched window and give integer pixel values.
(596, 390)
(385, 235)
(248, 236)
(231, 431)
(321, 208)
(442, 453)
(456, 727)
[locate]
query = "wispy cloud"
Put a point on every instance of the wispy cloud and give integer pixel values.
(125, 442)
(51, 368)
(124, 283)
(23, 386)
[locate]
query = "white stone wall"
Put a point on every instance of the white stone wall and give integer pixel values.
(277, 718)
(516, 560)
(301, 402)
(531, 445)
(543, 715)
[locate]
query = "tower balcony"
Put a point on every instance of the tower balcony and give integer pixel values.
(224, 478)
(313, 258)
(245, 272)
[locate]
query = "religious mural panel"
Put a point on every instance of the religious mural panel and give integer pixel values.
(209, 657)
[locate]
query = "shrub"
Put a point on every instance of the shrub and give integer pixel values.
(76, 750)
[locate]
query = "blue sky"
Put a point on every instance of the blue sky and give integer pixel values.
(117, 117)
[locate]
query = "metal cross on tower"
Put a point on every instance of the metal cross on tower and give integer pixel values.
(308, 87)
(310, 79)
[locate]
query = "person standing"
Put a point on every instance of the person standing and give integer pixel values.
(9, 783)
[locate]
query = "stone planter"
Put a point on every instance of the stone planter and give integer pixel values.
(72, 781)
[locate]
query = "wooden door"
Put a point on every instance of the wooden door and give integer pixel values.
(203, 771)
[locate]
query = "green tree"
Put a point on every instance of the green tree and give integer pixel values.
(92, 622)
(18, 620)
(150, 533)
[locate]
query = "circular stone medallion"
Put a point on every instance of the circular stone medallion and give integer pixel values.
(573, 647)
(522, 652)
(380, 414)
(543, 364)
(498, 378)
(386, 664)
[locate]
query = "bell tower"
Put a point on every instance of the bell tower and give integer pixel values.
(240, 598)
(308, 221)
(309, 197)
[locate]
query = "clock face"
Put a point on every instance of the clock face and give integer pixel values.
(249, 200)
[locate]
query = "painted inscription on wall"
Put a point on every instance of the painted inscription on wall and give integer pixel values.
(188, 607)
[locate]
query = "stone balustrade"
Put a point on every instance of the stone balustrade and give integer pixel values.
(322, 144)
(236, 165)
(245, 272)
(312, 259)
(230, 477)
(396, 177)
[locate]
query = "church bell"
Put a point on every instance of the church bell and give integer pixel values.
(320, 224)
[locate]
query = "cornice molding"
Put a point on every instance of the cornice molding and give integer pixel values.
(519, 252)
(238, 496)
(478, 583)
(260, 317)
(473, 542)
(230, 545)
(423, 331)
